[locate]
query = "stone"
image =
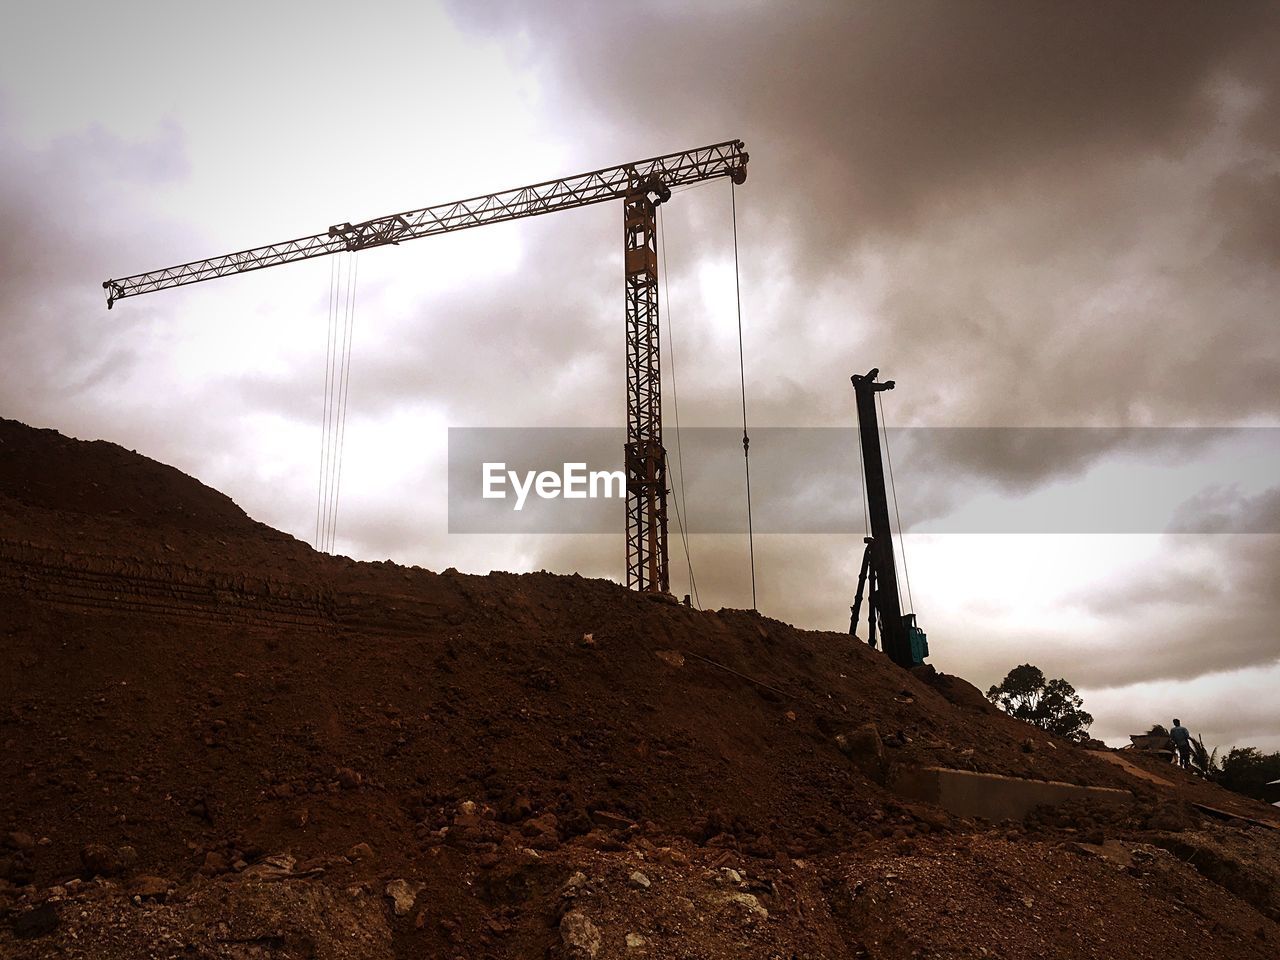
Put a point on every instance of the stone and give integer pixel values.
(610, 821)
(467, 808)
(361, 851)
(99, 860)
(348, 779)
(749, 901)
(149, 888)
(580, 936)
(640, 881)
(214, 864)
(20, 840)
(545, 825)
(126, 856)
(863, 741)
(635, 941)
(672, 658)
(403, 896)
(39, 922)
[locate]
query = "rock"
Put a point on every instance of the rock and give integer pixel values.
(640, 881)
(610, 821)
(149, 888)
(1028, 745)
(588, 639)
(361, 851)
(635, 941)
(403, 896)
(214, 864)
(580, 936)
(467, 808)
(864, 747)
(19, 840)
(348, 778)
(126, 856)
(749, 901)
(672, 658)
(545, 825)
(732, 875)
(37, 923)
(99, 860)
(672, 857)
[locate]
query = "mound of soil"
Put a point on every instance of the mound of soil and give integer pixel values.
(197, 707)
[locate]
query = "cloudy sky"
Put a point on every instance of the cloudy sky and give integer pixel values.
(1029, 214)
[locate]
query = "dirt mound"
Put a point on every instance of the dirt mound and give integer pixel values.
(193, 699)
(44, 470)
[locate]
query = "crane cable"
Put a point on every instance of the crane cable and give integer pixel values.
(324, 420)
(902, 540)
(342, 302)
(742, 374)
(345, 391)
(675, 408)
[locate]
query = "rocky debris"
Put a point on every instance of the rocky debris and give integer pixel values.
(580, 937)
(404, 895)
(639, 881)
(635, 942)
(521, 776)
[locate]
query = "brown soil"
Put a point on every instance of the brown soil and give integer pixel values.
(221, 744)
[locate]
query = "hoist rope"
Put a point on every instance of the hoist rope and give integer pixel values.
(902, 540)
(742, 375)
(344, 392)
(675, 410)
(337, 380)
(324, 420)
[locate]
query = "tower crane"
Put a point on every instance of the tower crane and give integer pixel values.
(641, 186)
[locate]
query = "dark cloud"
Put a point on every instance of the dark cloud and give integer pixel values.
(1050, 214)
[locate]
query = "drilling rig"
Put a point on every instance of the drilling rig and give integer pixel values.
(904, 642)
(641, 186)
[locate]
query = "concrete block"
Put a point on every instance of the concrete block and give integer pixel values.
(990, 796)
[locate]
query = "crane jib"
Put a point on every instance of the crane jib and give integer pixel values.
(657, 175)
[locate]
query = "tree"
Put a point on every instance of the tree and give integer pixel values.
(1051, 705)
(1205, 760)
(1248, 770)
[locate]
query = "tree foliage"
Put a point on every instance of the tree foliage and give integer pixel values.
(1248, 770)
(1205, 760)
(1051, 705)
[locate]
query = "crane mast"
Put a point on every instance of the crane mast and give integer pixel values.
(641, 186)
(904, 642)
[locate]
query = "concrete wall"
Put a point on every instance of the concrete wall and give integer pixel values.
(988, 795)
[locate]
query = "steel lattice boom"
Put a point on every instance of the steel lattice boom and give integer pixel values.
(641, 185)
(726, 159)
